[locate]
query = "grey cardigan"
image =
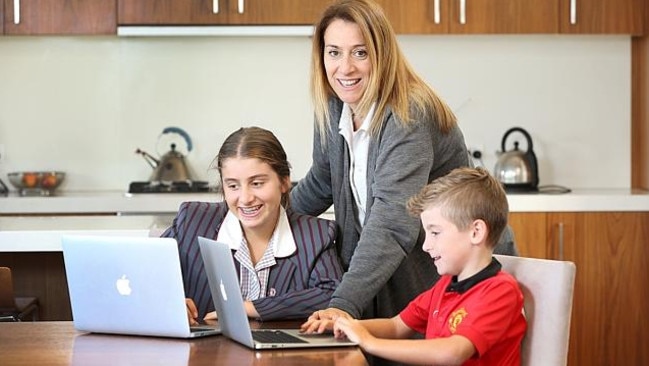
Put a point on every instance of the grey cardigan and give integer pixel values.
(385, 266)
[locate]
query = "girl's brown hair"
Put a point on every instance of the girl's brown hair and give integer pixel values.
(256, 143)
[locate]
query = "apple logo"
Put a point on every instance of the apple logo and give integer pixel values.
(123, 285)
(223, 294)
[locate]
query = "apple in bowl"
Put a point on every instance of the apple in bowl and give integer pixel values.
(35, 183)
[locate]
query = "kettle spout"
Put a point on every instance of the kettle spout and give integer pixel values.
(149, 159)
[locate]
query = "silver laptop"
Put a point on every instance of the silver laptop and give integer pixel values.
(127, 285)
(224, 286)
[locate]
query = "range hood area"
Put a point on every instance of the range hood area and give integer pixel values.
(227, 30)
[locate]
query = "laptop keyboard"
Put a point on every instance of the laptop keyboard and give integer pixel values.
(275, 336)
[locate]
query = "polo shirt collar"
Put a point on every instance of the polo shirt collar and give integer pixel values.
(465, 285)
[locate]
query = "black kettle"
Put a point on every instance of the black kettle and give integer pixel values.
(517, 170)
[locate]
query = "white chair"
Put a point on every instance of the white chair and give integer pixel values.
(547, 287)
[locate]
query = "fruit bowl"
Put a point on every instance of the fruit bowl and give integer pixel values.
(36, 183)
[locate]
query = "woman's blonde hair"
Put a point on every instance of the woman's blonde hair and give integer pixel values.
(392, 81)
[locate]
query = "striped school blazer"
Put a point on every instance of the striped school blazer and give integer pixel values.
(298, 285)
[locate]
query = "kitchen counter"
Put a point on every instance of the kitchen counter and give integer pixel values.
(120, 203)
(36, 224)
(100, 202)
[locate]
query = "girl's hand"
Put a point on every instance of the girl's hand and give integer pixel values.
(192, 312)
(211, 316)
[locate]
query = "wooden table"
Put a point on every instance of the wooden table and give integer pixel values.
(58, 343)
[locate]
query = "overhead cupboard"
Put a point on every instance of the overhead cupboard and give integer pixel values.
(516, 16)
(219, 12)
(103, 17)
(59, 17)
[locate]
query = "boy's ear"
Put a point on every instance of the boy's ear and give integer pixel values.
(479, 231)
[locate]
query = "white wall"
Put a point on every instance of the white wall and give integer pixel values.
(84, 104)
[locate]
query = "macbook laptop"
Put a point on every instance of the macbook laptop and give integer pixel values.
(224, 286)
(127, 285)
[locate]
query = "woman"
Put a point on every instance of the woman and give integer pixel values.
(286, 262)
(381, 135)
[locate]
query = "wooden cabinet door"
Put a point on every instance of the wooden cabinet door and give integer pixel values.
(473, 16)
(52, 17)
(276, 12)
(2, 8)
(503, 16)
(610, 322)
(530, 233)
(172, 12)
(220, 12)
(603, 16)
(417, 16)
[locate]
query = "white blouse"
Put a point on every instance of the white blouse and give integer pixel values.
(253, 280)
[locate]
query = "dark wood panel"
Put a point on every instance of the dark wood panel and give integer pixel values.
(57, 343)
(62, 17)
(506, 17)
(530, 233)
(609, 318)
(41, 275)
(640, 111)
(604, 17)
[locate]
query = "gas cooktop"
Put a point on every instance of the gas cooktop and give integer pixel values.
(169, 187)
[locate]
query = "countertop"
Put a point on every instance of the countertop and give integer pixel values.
(36, 224)
(120, 203)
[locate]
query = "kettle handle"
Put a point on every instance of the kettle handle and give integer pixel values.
(521, 130)
(182, 133)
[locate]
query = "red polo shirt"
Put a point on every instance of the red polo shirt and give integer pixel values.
(486, 308)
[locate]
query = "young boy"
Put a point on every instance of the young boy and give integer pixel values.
(473, 314)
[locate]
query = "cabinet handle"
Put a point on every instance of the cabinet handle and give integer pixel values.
(436, 12)
(561, 241)
(573, 11)
(215, 6)
(16, 11)
(462, 11)
(240, 6)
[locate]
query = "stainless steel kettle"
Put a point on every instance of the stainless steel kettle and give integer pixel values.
(517, 170)
(171, 167)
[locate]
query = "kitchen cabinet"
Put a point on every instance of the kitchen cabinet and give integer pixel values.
(59, 17)
(603, 16)
(530, 233)
(219, 12)
(516, 16)
(473, 17)
(609, 321)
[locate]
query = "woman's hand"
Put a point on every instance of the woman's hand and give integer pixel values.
(192, 312)
(323, 320)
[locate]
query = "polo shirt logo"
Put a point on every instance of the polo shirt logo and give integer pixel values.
(455, 319)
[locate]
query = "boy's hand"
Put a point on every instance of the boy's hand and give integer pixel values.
(192, 312)
(323, 320)
(352, 329)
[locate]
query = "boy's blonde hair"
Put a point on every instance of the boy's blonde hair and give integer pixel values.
(465, 195)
